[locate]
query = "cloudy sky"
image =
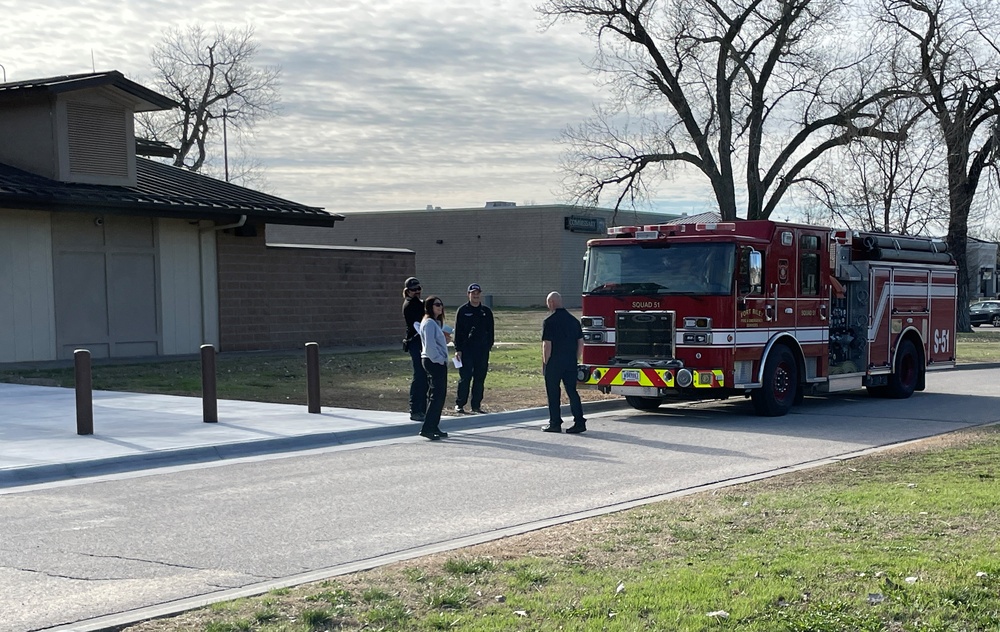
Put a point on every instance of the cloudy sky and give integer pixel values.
(386, 104)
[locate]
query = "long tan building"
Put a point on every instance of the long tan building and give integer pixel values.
(518, 254)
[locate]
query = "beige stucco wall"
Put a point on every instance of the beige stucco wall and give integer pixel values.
(28, 137)
(517, 254)
(187, 280)
(27, 321)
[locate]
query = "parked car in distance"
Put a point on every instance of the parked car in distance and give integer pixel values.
(985, 312)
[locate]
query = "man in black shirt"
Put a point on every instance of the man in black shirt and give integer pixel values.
(473, 341)
(562, 346)
(413, 313)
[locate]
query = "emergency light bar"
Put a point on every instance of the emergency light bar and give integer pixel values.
(662, 228)
(684, 228)
(621, 231)
(727, 226)
(647, 234)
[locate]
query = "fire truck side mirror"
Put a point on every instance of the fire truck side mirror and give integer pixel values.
(756, 270)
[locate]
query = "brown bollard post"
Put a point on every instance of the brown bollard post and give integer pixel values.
(209, 393)
(312, 376)
(84, 392)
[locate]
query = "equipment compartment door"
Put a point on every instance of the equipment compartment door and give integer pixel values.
(879, 308)
(944, 301)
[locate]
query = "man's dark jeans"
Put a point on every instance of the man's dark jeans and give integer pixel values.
(418, 384)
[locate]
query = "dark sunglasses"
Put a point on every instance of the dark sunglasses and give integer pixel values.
(414, 289)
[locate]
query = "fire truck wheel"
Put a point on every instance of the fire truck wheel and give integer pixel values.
(643, 403)
(781, 383)
(903, 380)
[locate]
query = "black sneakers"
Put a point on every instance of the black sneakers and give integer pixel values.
(551, 428)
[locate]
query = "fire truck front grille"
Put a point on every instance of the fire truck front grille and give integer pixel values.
(644, 335)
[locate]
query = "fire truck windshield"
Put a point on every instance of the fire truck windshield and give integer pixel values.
(689, 269)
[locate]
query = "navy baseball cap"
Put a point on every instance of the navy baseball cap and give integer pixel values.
(475, 288)
(412, 283)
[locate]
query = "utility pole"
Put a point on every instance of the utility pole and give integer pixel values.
(225, 144)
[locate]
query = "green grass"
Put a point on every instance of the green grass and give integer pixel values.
(898, 541)
(373, 380)
(980, 345)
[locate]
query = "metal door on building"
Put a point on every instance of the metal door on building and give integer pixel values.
(105, 284)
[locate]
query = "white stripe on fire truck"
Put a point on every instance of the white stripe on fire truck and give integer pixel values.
(918, 290)
(742, 337)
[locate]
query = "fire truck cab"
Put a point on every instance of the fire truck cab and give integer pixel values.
(767, 310)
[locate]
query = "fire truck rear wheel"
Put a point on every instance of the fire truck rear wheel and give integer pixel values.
(903, 380)
(781, 384)
(643, 403)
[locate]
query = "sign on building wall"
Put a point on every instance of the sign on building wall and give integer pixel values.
(581, 224)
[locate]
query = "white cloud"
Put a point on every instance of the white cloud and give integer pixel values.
(394, 104)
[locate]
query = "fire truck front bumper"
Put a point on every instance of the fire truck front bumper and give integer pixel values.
(648, 381)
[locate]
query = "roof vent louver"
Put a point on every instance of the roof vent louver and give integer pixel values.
(98, 142)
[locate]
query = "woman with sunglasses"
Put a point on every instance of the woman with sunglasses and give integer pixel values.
(434, 355)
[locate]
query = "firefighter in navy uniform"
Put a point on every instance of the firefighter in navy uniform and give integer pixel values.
(473, 341)
(413, 313)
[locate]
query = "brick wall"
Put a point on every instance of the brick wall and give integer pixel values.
(276, 297)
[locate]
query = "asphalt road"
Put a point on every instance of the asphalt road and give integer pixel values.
(91, 549)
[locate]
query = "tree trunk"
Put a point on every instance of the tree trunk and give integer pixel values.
(958, 238)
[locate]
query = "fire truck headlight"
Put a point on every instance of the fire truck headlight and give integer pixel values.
(684, 378)
(592, 321)
(596, 374)
(581, 373)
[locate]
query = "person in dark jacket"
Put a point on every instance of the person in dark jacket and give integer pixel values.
(473, 341)
(413, 313)
(562, 346)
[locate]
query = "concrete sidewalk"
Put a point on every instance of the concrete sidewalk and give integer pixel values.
(133, 431)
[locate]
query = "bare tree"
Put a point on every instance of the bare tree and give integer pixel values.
(212, 75)
(947, 50)
(891, 186)
(761, 86)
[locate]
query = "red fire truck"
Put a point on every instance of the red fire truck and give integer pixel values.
(767, 310)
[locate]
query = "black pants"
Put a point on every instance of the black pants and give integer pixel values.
(565, 376)
(418, 384)
(437, 375)
(475, 364)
